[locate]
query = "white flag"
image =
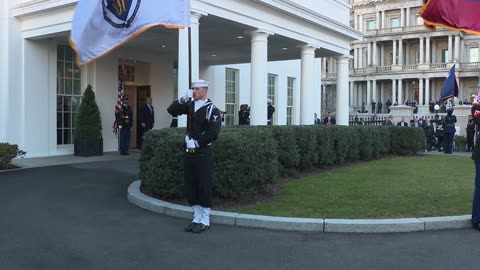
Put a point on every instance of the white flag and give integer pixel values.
(99, 26)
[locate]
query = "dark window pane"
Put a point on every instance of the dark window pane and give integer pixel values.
(69, 69)
(76, 87)
(67, 120)
(68, 87)
(59, 103)
(60, 69)
(59, 136)
(60, 86)
(60, 52)
(59, 120)
(67, 104)
(74, 119)
(67, 136)
(68, 54)
(75, 104)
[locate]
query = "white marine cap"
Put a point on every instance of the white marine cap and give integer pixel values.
(199, 83)
(269, 101)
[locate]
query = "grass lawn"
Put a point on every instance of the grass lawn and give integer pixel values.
(394, 187)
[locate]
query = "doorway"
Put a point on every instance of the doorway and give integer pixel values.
(136, 98)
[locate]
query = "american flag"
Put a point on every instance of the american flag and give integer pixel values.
(118, 106)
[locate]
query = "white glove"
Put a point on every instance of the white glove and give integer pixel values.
(188, 95)
(119, 126)
(191, 143)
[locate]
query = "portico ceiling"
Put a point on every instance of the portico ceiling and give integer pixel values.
(221, 42)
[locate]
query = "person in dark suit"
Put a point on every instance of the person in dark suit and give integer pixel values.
(402, 123)
(147, 118)
(449, 131)
(329, 120)
(316, 120)
(429, 134)
(270, 111)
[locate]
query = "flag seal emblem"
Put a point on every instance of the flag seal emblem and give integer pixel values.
(120, 13)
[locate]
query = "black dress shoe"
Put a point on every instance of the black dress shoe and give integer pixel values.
(190, 226)
(200, 228)
(476, 226)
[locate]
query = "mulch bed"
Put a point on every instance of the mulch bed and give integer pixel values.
(7, 166)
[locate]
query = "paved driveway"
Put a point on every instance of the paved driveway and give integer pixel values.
(77, 217)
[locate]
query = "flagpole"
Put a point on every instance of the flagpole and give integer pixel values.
(190, 109)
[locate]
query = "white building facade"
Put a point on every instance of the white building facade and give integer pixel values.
(249, 51)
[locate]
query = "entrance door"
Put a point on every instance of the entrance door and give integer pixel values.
(142, 93)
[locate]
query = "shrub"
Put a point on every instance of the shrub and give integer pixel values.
(249, 158)
(460, 140)
(88, 124)
(9, 152)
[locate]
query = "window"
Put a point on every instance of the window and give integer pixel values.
(272, 85)
(419, 20)
(391, 58)
(290, 90)
(473, 52)
(231, 89)
(394, 22)
(371, 25)
(417, 57)
(68, 93)
(444, 55)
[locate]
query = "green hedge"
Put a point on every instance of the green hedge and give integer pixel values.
(9, 152)
(248, 159)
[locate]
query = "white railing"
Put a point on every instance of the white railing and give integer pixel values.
(471, 65)
(410, 67)
(438, 66)
(384, 68)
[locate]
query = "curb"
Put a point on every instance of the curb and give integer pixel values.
(301, 224)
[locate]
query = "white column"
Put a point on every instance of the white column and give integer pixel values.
(434, 54)
(400, 91)
(420, 91)
(374, 91)
(427, 90)
(4, 70)
(400, 52)
(407, 56)
(383, 19)
(457, 49)
(307, 85)
(382, 92)
(258, 83)
(421, 50)
(195, 25)
(394, 53)
(450, 51)
(369, 93)
(342, 90)
(377, 20)
(407, 23)
(182, 73)
(360, 57)
(375, 54)
(350, 89)
(402, 17)
(355, 58)
(394, 89)
(428, 57)
(382, 55)
(360, 23)
(355, 21)
(369, 54)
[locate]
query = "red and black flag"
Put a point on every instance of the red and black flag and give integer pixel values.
(461, 15)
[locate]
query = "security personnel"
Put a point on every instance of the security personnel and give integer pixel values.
(203, 126)
(470, 133)
(449, 131)
(125, 123)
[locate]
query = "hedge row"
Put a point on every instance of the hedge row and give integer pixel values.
(246, 159)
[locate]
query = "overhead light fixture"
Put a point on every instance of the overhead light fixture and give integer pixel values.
(284, 49)
(214, 55)
(163, 46)
(239, 37)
